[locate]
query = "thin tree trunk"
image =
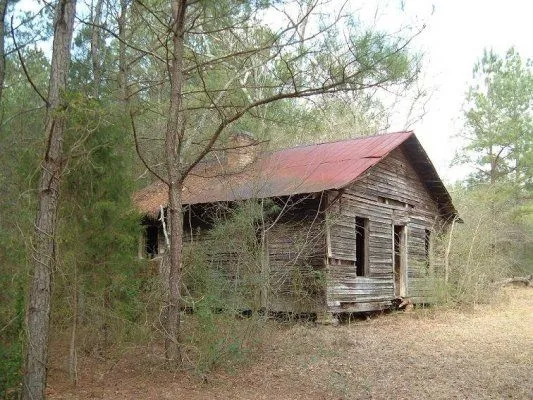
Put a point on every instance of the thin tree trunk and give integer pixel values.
(173, 143)
(493, 167)
(73, 354)
(447, 254)
(173, 339)
(43, 251)
(95, 48)
(3, 9)
(122, 62)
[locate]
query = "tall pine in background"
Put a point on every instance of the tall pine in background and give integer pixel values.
(495, 201)
(498, 131)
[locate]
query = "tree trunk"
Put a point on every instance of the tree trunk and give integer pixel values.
(43, 249)
(122, 62)
(173, 340)
(95, 48)
(173, 148)
(73, 354)
(447, 254)
(3, 9)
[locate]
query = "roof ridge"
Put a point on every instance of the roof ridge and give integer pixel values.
(339, 140)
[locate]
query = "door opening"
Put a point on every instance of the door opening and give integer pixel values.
(361, 246)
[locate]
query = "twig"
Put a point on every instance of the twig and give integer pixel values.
(162, 219)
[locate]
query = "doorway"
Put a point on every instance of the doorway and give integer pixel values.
(361, 246)
(400, 260)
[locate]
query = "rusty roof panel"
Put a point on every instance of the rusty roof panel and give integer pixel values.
(302, 169)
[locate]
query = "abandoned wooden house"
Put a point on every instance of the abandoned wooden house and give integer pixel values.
(352, 227)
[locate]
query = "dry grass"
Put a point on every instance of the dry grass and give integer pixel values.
(481, 353)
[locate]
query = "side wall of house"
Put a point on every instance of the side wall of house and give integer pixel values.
(295, 253)
(224, 259)
(279, 266)
(389, 194)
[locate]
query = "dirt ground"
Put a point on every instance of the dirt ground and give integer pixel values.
(481, 353)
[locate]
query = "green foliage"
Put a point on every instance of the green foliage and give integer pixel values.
(215, 335)
(220, 339)
(98, 230)
(218, 291)
(229, 270)
(11, 321)
(307, 284)
(21, 120)
(224, 279)
(499, 120)
(496, 239)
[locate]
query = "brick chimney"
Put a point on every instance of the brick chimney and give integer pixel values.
(242, 150)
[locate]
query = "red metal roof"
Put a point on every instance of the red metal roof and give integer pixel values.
(303, 169)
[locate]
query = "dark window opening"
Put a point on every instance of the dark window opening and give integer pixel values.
(361, 246)
(201, 216)
(152, 242)
(393, 202)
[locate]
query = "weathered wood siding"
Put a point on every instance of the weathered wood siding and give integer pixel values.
(228, 262)
(296, 268)
(277, 266)
(391, 193)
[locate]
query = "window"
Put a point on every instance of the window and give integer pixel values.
(393, 202)
(361, 246)
(152, 242)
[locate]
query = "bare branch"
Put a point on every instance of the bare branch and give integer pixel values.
(139, 152)
(21, 59)
(125, 42)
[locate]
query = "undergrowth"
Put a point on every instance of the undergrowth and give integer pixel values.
(493, 241)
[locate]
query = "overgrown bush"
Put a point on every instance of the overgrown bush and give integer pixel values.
(222, 282)
(494, 241)
(11, 334)
(98, 292)
(16, 220)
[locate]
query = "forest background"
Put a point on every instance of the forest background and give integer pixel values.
(124, 106)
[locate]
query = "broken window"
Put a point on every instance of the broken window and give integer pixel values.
(361, 246)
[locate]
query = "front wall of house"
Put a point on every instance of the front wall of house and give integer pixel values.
(391, 193)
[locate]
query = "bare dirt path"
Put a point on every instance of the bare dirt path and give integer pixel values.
(484, 353)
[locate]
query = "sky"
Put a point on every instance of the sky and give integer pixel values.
(455, 34)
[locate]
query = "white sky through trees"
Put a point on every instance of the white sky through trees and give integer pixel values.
(455, 34)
